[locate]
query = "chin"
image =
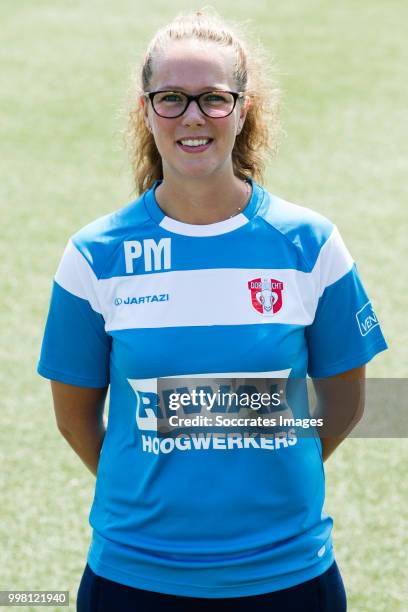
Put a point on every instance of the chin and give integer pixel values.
(199, 170)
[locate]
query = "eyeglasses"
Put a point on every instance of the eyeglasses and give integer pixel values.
(172, 104)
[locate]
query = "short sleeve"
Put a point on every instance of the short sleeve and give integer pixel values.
(345, 332)
(75, 347)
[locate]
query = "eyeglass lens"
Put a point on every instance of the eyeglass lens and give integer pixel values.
(213, 104)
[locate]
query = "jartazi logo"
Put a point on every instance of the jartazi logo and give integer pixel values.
(142, 299)
(266, 295)
(366, 319)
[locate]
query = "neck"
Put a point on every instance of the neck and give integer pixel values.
(202, 201)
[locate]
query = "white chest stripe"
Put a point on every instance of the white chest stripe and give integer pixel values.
(202, 297)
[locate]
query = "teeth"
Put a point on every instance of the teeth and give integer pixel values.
(195, 142)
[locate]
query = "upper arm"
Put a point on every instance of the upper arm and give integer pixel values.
(340, 400)
(76, 406)
(353, 374)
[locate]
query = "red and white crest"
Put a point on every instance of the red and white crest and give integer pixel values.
(266, 295)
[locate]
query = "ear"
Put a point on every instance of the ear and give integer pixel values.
(245, 106)
(142, 102)
(243, 113)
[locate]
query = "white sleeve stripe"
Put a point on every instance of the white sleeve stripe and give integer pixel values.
(74, 274)
(333, 262)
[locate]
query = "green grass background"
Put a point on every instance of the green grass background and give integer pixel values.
(64, 75)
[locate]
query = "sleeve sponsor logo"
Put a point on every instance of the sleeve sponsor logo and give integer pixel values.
(266, 295)
(366, 319)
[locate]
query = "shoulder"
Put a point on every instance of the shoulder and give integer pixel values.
(307, 231)
(98, 240)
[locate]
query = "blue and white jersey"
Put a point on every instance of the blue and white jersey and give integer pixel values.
(138, 296)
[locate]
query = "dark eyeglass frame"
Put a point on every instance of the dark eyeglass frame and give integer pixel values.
(235, 94)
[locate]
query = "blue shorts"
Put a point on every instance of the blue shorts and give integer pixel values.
(325, 593)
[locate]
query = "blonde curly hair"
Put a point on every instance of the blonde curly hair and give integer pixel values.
(260, 133)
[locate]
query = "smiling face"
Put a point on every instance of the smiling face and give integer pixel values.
(193, 67)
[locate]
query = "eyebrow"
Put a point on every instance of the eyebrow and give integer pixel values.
(204, 88)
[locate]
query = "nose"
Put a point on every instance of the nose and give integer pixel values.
(193, 114)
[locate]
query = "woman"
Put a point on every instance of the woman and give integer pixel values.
(205, 273)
